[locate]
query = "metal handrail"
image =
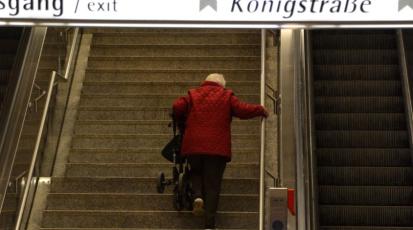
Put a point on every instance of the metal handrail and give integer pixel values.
(51, 86)
(36, 150)
(406, 88)
(71, 55)
(312, 186)
(262, 152)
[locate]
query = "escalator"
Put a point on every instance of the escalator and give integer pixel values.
(365, 178)
(9, 41)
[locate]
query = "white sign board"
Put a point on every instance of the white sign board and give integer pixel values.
(209, 11)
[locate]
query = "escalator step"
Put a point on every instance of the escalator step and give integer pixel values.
(6, 61)
(10, 32)
(356, 56)
(363, 157)
(365, 176)
(354, 41)
(363, 228)
(357, 88)
(8, 46)
(360, 121)
(362, 139)
(359, 105)
(356, 72)
(366, 215)
(366, 195)
(4, 75)
(355, 31)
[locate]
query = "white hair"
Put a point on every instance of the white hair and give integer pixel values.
(217, 78)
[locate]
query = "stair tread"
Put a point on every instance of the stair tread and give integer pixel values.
(135, 70)
(104, 45)
(126, 58)
(144, 135)
(175, 83)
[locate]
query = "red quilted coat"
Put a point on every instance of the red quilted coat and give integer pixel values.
(208, 112)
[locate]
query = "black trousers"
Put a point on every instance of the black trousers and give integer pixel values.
(206, 177)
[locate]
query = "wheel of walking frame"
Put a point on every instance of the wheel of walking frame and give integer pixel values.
(160, 186)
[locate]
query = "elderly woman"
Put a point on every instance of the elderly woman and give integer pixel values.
(207, 112)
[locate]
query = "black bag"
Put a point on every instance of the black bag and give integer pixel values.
(173, 148)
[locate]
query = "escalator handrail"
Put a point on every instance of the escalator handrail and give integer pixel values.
(406, 88)
(22, 80)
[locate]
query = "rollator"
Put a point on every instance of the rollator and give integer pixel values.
(182, 192)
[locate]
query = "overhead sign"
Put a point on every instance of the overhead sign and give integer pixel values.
(208, 11)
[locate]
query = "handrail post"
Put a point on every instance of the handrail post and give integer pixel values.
(36, 150)
(262, 151)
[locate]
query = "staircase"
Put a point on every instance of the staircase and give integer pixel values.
(133, 76)
(364, 160)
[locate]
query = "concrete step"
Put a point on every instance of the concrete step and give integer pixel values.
(166, 87)
(170, 75)
(19, 168)
(116, 141)
(233, 170)
(124, 113)
(53, 48)
(27, 141)
(145, 155)
(143, 100)
(137, 185)
(173, 37)
(155, 50)
(23, 156)
(141, 202)
(144, 219)
(10, 202)
(49, 61)
(175, 62)
(130, 229)
(7, 219)
(166, 32)
(150, 127)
